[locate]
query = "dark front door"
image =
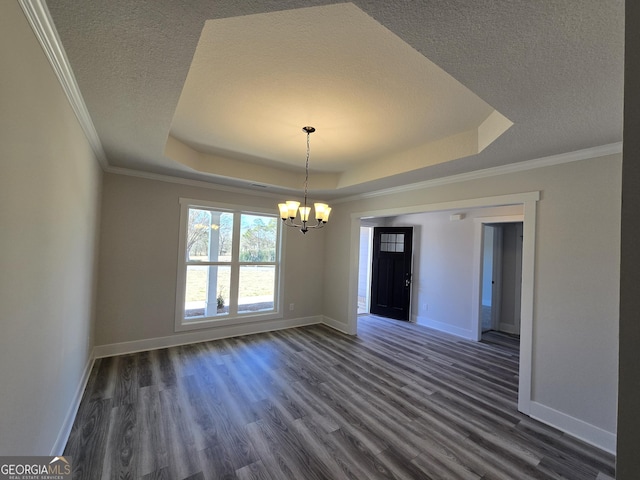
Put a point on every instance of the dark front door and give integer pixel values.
(391, 272)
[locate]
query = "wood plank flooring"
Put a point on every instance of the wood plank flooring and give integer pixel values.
(399, 401)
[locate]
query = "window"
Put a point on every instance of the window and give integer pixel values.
(228, 265)
(392, 242)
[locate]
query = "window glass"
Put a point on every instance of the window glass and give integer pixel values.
(209, 235)
(392, 242)
(258, 235)
(256, 289)
(207, 291)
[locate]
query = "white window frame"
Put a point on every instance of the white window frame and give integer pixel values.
(181, 324)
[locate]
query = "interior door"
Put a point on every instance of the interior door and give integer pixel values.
(391, 272)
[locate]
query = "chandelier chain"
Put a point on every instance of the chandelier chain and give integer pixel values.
(306, 178)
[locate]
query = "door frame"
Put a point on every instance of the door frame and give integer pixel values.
(529, 201)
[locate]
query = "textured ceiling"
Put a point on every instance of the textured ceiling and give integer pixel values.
(554, 68)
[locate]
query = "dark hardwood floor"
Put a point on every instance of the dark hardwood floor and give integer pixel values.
(397, 401)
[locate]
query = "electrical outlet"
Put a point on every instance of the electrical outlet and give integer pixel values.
(291, 307)
(425, 307)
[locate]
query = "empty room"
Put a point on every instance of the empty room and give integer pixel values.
(319, 240)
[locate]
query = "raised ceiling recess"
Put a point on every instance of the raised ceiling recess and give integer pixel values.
(381, 108)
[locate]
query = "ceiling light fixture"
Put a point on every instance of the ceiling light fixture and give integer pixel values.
(289, 209)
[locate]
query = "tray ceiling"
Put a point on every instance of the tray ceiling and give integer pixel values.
(399, 91)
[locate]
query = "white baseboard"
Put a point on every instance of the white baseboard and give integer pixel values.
(337, 325)
(580, 429)
(65, 430)
(202, 336)
(445, 327)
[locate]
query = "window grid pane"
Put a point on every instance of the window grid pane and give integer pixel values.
(392, 242)
(209, 235)
(207, 291)
(258, 234)
(231, 264)
(256, 289)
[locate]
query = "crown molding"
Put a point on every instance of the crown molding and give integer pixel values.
(578, 155)
(42, 25)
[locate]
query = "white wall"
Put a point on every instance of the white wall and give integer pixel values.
(575, 323)
(49, 204)
(138, 264)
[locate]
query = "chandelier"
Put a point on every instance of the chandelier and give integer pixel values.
(290, 208)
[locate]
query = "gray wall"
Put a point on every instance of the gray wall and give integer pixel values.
(575, 323)
(139, 255)
(49, 204)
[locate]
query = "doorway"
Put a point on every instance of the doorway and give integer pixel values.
(501, 283)
(364, 270)
(529, 202)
